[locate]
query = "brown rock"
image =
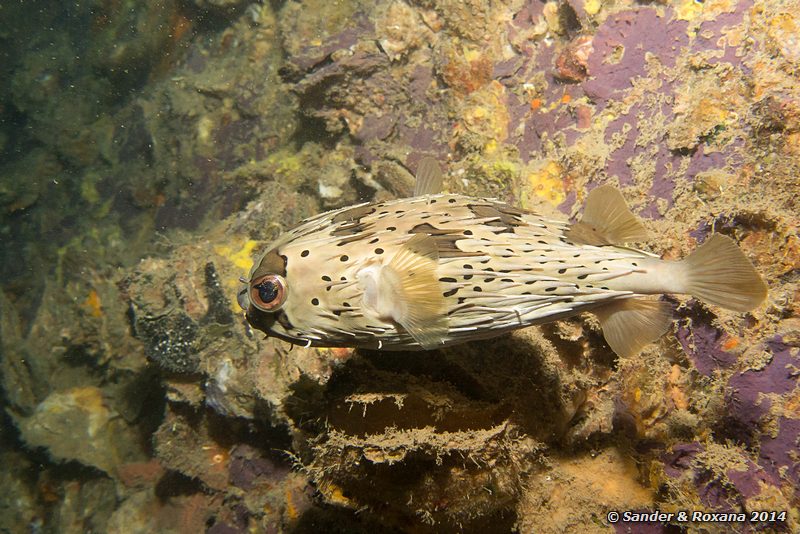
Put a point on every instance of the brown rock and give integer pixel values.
(572, 64)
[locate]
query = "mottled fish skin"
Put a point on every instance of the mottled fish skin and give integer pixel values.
(500, 268)
(440, 269)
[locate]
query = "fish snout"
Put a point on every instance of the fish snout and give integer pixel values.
(242, 297)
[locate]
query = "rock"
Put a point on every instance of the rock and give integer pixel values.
(86, 505)
(78, 424)
(573, 62)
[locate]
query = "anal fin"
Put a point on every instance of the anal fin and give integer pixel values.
(606, 220)
(630, 324)
(413, 291)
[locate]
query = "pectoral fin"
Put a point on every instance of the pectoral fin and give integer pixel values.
(630, 324)
(606, 220)
(413, 296)
(429, 177)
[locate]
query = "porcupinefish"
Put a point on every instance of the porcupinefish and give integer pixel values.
(438, 269)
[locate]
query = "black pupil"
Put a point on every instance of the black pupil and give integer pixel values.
(267, 291)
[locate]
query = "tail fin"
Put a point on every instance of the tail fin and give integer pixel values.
(718, 272)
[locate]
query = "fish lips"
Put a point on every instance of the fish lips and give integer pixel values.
(261, 320)
(265, 321)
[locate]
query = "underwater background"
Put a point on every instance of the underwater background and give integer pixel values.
(149, 150)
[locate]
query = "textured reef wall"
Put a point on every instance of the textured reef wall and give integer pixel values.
(137, 398)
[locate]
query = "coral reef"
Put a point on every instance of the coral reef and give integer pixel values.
(148, 151)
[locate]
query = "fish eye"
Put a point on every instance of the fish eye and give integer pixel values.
(268, 293)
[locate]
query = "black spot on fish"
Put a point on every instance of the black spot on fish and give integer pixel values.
(530, 282)
(604, 287)
(467, 232)
(461, 300)
(562, 271)
(326, 278)
(452, 201)
(477, 289)
(488, 280)
(447, 279)
(634, 264)
(509, 280)
(467, 266)
(315, 301)
(344, 257)
(391, 228)
(378, 250)
(304, 253)
(550, 288)
(583, 276)
(467, 277)
(372, 242)
(450, 293)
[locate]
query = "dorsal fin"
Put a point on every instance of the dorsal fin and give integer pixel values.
(630, 324)
(429, 177)
(414, 290)
(606, 220)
